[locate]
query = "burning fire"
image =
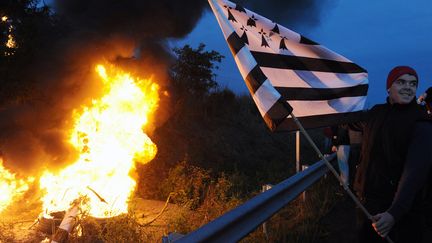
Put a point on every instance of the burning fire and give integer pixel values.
(10, 187)
(10, 43)
(109, 135)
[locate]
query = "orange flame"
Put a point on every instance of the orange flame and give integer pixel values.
(11, 188)
(109, 135)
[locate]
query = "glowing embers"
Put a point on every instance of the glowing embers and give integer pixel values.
(10, 43)
(109, 137)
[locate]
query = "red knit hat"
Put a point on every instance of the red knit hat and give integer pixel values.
(398, 71)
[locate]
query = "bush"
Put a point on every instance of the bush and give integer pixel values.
(123, 228)
(187, 184)
(299, 221)
(194, 188)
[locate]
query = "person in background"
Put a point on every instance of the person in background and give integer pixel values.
(328, 134)
(341, 145)
(395, 161)
(426, 99)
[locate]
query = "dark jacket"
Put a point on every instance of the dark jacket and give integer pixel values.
(388, 132)
(428, 100)
(340, 136)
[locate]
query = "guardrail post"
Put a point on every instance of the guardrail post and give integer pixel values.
(264, 188)
(304, 167)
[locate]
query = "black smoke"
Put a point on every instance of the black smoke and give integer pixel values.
(291, 13)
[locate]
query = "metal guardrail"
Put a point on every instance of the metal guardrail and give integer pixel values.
(239, 222)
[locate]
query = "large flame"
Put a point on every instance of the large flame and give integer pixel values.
(109, 135)
(11, 188)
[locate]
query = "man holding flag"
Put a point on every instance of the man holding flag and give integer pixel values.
(395, 161)
(298, 83)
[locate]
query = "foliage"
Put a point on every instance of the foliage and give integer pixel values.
(188, 184)
(32, 28)
(123, 228)
(192, 73)
(225, 134)
(26, 22)
(193, 188)
(300, 220)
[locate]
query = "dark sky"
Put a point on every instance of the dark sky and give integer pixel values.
(377, 35)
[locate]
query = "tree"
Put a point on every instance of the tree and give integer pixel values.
(26, 23)
(31, 28)
(192, 72)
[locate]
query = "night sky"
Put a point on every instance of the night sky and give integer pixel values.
(377, 35)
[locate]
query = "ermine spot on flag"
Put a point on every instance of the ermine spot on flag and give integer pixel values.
(286, 72)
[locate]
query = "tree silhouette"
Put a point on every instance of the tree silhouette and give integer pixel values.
(192, 72)
(32, 28)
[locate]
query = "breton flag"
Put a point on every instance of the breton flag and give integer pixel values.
(286, 72)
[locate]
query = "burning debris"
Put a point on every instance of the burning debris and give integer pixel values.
(110, 138)
(66, 226)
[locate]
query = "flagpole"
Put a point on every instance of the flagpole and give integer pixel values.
(332, 169)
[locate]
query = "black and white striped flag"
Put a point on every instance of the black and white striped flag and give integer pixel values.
(286, 72)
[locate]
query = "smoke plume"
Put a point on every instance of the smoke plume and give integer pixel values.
(291, 13)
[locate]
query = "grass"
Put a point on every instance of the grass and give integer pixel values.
(299, 220)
